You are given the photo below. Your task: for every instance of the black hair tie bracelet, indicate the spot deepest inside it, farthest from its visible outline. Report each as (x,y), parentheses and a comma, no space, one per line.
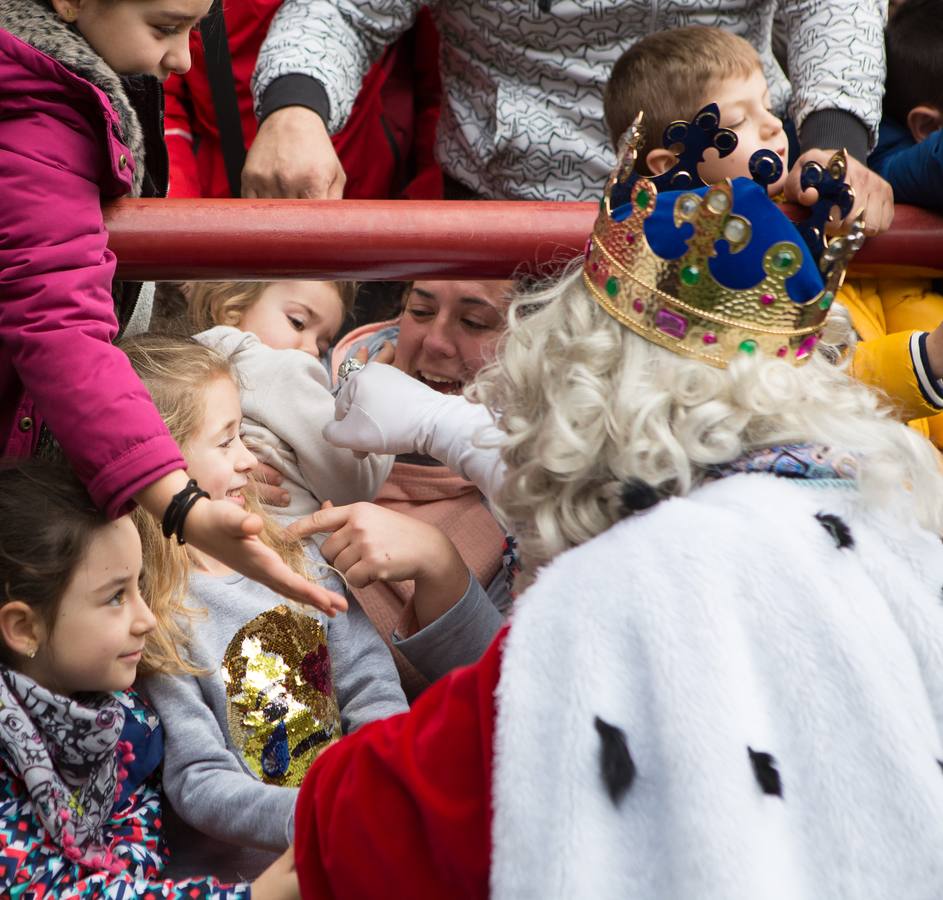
(178,508)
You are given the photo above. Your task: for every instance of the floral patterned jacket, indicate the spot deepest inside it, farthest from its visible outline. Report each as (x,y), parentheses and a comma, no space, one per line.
(33,868)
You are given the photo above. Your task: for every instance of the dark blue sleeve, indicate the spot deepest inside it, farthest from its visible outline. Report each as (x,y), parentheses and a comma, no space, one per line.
(916,173)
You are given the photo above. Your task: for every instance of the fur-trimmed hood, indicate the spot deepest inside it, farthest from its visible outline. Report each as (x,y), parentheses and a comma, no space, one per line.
(35,23)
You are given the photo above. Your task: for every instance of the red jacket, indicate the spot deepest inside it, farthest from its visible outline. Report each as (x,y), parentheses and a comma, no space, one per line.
(394,118)
(402,808)
(62,152)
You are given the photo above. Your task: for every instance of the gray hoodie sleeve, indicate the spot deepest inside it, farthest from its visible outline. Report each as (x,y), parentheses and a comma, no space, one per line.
(331,41)
(459,637)
(203,779)
(365,677)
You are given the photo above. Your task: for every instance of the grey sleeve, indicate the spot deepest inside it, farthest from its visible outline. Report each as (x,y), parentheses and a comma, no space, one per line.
(332,42)
(365,677)
(457,638)
(204,780)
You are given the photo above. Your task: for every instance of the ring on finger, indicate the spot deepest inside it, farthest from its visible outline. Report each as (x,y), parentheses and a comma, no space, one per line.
(348,367)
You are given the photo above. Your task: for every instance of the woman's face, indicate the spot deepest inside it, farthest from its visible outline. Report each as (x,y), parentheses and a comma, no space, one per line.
(448,330)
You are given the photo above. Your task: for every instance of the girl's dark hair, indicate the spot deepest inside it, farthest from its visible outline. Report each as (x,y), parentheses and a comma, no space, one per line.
(46,521)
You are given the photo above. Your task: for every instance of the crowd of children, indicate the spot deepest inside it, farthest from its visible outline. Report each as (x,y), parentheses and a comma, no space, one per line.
(208,581)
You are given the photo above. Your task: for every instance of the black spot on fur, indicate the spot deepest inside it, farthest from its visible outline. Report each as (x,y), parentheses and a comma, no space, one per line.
(940,764)
(618,769)
(839,531)
(637,495)
(767,775)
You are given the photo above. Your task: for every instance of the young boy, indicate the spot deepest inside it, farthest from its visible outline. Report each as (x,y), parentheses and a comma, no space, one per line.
(673,74)
(909,153)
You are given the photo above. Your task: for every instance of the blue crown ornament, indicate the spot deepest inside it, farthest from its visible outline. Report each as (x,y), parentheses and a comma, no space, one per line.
(714,271)
(689,141)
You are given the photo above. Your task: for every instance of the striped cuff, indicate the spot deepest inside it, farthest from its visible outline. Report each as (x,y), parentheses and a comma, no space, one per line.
(930,387)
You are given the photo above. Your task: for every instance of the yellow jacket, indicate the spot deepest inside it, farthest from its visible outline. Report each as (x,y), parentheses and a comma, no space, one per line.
(887,313)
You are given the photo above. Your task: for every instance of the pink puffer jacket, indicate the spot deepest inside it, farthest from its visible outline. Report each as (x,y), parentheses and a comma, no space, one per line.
(66,144)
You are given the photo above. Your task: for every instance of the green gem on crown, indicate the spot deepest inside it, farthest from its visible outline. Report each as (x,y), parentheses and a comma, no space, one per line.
(642,198)
(612,286)
(691,275)
(747,346)
(783,259)
(826,300)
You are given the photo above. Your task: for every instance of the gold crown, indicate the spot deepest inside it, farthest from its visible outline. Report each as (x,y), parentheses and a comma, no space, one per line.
(677,303)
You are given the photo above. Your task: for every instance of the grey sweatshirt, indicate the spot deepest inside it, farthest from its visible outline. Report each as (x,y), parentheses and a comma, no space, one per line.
(459,637)
(224,751)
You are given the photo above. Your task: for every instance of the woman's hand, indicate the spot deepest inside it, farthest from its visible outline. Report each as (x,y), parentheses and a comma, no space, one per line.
(279,881)
(369,543)
(229,534)
(224,531)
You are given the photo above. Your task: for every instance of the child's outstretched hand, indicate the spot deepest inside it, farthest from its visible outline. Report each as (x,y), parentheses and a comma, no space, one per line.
(229,534)
(225,532)
(369,543)
(279,881)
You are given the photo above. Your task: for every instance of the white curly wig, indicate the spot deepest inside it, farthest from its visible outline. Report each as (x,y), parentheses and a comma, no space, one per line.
(587,406)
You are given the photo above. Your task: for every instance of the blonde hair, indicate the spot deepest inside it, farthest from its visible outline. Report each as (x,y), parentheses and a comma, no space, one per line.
(665,75)
(177,371)
(587,406)
(226,302)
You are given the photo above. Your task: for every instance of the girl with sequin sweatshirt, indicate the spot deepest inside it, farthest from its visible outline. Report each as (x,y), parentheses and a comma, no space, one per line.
(80,751)
(274,683)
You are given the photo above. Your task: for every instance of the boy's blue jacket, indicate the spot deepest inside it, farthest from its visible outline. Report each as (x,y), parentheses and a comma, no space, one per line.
(914,170)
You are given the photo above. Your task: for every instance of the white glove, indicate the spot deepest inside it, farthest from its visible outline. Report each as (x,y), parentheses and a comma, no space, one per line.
(380,409)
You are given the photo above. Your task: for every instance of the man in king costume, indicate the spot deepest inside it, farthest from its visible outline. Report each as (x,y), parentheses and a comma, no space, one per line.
(723,678)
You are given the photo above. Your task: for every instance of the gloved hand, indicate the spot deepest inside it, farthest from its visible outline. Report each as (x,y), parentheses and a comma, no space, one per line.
(380,409)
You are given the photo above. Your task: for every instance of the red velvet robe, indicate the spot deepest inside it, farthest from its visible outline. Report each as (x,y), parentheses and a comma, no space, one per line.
(402,808)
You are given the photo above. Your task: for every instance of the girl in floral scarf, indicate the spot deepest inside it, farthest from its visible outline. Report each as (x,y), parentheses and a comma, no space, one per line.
(79,750)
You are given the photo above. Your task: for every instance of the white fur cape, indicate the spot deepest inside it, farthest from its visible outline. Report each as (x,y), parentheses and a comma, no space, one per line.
(728,620)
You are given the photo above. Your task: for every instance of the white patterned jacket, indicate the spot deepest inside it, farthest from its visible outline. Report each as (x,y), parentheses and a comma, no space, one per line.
(522,81)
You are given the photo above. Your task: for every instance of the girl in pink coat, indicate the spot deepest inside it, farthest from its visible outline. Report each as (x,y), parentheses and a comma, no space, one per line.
(82,124)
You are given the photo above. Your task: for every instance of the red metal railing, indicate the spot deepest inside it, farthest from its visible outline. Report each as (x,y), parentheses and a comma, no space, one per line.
(373,240)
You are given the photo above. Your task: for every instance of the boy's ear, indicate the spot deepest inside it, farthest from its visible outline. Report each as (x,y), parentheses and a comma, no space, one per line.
(21,628)
(922,121)
(660,160)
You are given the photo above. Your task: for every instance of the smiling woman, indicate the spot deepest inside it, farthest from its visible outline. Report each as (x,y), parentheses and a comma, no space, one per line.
(447,332)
